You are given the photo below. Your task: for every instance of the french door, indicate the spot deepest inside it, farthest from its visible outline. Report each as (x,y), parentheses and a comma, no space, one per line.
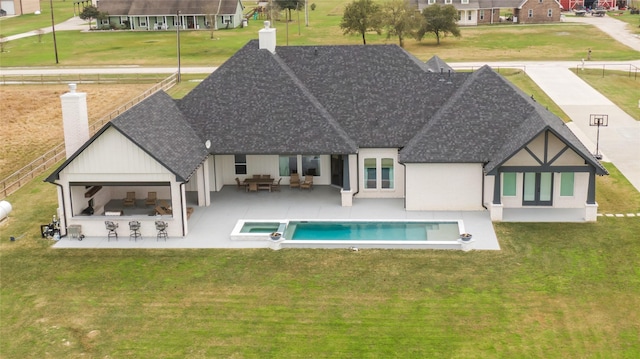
(538,189)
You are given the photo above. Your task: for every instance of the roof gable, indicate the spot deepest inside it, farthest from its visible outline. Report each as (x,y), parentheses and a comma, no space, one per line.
(158,127)
(254,104)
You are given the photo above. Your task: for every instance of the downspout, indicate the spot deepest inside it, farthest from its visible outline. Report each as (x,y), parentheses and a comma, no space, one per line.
(405,185)
(357,174)
(182,220)
(483,174)
(64,209)
(215,177)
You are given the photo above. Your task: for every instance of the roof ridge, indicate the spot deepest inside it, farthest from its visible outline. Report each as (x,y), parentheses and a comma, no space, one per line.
(437,117)
(314,101)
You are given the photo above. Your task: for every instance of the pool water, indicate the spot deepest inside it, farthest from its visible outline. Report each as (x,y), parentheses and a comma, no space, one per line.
(260,227)
(372,230)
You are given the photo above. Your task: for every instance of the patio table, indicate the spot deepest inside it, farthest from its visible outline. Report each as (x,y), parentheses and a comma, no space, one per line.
(262,183)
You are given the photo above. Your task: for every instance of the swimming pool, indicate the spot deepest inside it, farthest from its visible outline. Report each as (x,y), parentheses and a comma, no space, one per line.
(372,231)
(418,234)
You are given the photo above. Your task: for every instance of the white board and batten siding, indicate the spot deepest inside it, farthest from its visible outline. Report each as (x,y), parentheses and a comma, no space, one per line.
(444,186)
(114,158)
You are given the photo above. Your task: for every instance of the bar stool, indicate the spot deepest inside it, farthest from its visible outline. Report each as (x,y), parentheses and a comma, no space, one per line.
(134,230)
(161,226)
(111,227)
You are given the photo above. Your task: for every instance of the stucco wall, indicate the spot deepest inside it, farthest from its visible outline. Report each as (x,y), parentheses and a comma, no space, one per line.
(444,186)
(265,165)
(398,170)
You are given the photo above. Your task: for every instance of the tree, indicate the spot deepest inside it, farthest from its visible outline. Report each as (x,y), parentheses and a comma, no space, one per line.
(400,19)
(89,13)
(360,17)
(439,20)
(290,5)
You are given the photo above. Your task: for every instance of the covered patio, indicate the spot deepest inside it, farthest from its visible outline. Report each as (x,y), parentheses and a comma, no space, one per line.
(210,227)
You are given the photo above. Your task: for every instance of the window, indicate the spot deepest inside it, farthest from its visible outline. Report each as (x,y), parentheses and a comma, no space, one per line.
(481,14)
(241,164)
(448,1)
(386,172)
(530,14)
(509,184)
(566,183)
(431,2)
(550,13)
(104,22)
(288,165)
(459,15)
(143,22)
(469,15)
(311,165)
(464,1)
(370,173)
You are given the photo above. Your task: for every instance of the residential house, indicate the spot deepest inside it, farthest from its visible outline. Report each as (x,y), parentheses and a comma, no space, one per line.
(19,7)
(372,120)
(483,12)
(163,14)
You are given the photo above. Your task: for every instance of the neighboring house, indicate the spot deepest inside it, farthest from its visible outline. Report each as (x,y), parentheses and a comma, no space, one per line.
(482,12)
(372,120)
(19,7)
(162,14)
(592,4)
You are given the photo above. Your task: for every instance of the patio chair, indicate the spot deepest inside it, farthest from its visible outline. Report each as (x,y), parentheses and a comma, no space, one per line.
(294,181)
(111,227)
(265,176)
(276,186)
(134,230)
(130,200)
(253,187)
(308,182)
(151,199)
(161,227)
(240,185)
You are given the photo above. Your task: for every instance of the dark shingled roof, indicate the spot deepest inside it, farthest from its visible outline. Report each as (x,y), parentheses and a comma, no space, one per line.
(379,94)
(487,121)
(168,7)
(254,104)
(336,99)
(435,64)
(158,127)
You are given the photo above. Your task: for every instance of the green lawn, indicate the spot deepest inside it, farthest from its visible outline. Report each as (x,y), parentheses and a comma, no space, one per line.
(62,11)
(622,88)
(563,41)
(554,290)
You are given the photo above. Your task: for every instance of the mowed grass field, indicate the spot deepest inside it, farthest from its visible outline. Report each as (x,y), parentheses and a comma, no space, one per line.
(553,290)
(562,41)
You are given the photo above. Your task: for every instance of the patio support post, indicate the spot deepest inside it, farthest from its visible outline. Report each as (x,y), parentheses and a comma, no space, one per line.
(346,181)
(496,188)
(591,191)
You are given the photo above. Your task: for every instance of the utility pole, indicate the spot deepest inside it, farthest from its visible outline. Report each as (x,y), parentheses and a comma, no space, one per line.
(178,24)
(53,30)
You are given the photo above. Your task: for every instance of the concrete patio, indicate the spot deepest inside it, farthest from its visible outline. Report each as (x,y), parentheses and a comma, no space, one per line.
(210,227)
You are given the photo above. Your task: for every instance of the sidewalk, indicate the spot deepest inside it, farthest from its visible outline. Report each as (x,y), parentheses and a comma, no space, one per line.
(75,23)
